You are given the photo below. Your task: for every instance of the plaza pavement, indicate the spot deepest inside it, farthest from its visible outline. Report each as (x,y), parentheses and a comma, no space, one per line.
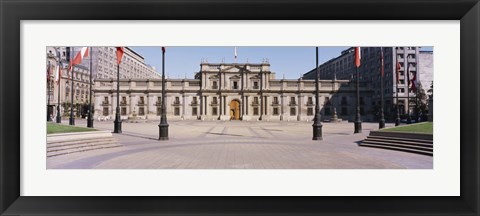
(239,145)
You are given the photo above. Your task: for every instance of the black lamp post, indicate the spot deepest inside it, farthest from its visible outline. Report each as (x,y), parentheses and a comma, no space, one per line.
(381,124)
(409,118)
(72,118)
(163,126)
(317,123)
(90,120)
(397,120)
(117,124)
(358,121)
(59,117)
(48,87)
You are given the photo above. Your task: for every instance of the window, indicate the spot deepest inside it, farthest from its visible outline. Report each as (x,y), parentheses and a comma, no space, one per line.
(214,85)
(194,100)
(275,111)
(255,85)
(177,100)
(194,111)
(361,101)
(310,111)
(255,100)
(214,111)
(142,100)
(124,111)
(105,111)
(105,100)
(214,100)
(293,111)
(141,111)
(176,111)
(159,111)
(124,100)
(362,111)
(344,111)
(275,100)
(235,85)
(255,111)
(344,101)
(292,100)
(159,100)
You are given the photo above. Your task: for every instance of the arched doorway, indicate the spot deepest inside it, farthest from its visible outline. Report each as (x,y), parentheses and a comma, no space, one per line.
(234,110)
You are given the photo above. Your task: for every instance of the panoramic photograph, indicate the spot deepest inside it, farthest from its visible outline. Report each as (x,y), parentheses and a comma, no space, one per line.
(239,107)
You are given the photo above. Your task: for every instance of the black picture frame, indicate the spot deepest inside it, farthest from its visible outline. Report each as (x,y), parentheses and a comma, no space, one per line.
(13,11)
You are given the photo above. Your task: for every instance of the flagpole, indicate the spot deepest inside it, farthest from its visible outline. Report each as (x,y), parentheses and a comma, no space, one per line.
(48,87)
(90,120)
(381,124)
(163,126)
(409,118)
(59,117)
(358,122)
(317,123)
(397,120)
(117,124)
(72,118)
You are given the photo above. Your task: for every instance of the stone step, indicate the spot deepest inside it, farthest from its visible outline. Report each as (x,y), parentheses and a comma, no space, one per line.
(402,139)
(83,149)
(399,141)
(80,141)
(429,153)
(80,145)
(401,145)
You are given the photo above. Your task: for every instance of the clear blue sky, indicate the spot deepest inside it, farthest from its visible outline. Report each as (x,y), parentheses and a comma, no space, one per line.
(185,61)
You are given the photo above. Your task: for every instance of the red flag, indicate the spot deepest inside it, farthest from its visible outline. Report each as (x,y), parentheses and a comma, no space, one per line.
(357,56)
(398,70)
(163,49)
(80,55)
(414,81)
(119,54)
(381,60)
(58,75)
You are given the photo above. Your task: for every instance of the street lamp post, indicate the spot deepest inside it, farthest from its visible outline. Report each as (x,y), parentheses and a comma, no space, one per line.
(397,120)
(163,126)
(90,120)
(59,117)
(117,124)
(317,123)
(72,118)
(358,121)
(381,124)
(48,87)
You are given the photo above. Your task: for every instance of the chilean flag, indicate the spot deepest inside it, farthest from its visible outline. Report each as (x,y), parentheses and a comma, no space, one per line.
(58,73)
(119,55)
(414,82)
(80,55)
(358,56)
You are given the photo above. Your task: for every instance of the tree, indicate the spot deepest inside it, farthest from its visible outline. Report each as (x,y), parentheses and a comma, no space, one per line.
(421,101)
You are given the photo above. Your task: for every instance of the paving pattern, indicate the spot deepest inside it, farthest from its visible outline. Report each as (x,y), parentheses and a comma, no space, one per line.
(240,145)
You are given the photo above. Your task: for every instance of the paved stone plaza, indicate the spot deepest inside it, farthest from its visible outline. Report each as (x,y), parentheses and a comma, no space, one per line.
(197,144)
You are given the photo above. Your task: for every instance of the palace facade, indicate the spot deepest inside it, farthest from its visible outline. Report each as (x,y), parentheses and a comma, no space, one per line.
(248,92)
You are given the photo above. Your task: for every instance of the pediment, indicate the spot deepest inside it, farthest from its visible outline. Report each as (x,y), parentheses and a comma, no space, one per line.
(235,77)
(213,77)
(232,69)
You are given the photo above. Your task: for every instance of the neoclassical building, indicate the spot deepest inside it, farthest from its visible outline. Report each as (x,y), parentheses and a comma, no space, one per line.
(246,91)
